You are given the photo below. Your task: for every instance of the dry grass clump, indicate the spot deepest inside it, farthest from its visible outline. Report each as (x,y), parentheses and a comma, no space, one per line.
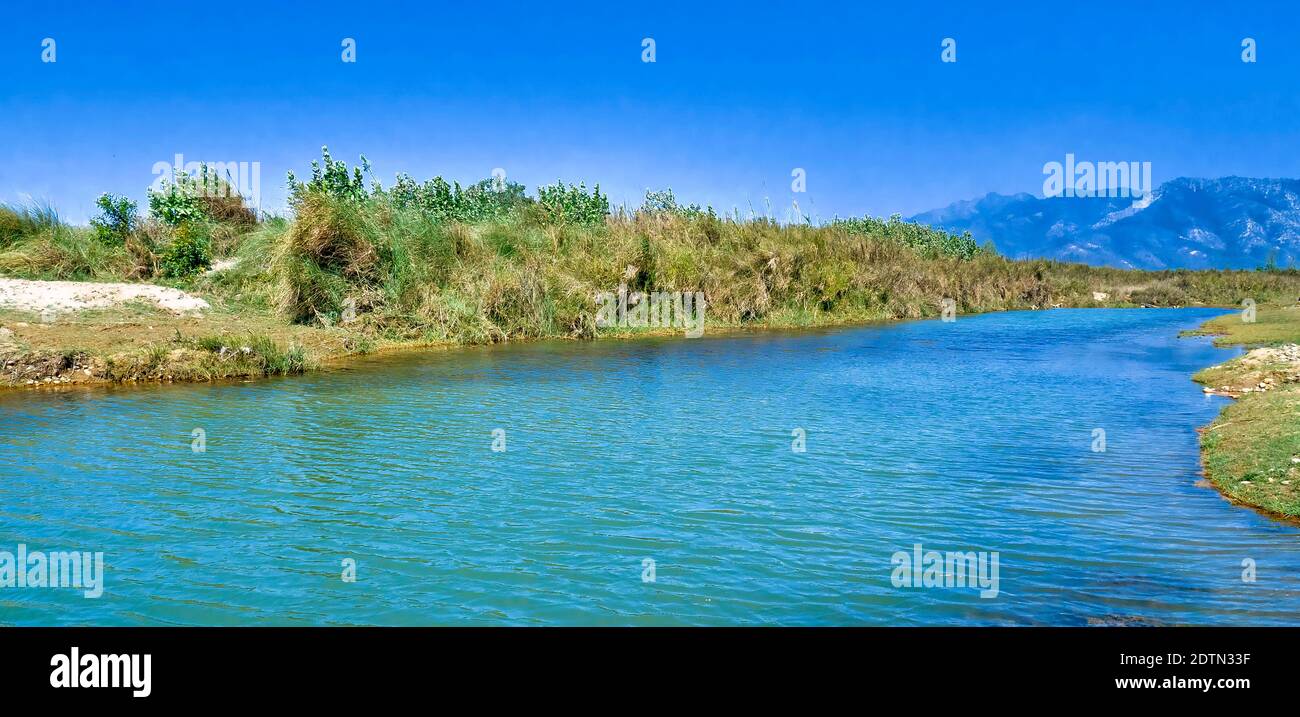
(228,208)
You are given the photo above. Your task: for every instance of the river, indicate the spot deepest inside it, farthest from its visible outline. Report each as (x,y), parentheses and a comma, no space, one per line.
(659,482)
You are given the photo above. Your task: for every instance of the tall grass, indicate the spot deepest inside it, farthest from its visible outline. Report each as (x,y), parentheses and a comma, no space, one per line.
(411,276)
(17,222)
(36,244)
(434,262)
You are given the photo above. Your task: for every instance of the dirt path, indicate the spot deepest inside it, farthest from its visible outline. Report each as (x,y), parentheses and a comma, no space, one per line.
(57,297)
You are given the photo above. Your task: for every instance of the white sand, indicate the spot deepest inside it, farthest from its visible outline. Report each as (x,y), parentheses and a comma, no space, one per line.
(67,296)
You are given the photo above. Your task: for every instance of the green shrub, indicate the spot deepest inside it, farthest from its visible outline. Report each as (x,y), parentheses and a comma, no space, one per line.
(924,240)
(435,197)
(332,178)
(441,201)
(190,251)
(177,203)
(572,204)
(491,199)
(116,221)
(659,201)
(663,202)
(203,197)
(484,201)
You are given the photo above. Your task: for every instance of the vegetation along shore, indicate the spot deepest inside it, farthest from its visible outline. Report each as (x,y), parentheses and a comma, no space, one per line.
(361,267)
(1251,453)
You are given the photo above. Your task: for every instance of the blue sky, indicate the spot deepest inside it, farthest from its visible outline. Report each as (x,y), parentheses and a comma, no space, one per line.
(854,93)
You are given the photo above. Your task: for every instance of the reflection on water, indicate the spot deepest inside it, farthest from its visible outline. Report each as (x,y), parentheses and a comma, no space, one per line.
(975,435)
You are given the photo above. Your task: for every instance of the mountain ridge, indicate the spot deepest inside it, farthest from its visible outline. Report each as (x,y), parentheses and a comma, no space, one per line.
(1229,222)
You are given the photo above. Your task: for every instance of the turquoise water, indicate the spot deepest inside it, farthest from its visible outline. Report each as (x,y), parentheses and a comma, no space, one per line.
(975,435)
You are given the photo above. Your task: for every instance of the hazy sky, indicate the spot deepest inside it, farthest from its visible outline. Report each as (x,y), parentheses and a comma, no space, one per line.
(740,95)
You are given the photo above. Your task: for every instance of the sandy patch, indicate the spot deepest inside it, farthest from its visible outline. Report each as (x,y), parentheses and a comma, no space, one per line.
(57,297)
(221,265)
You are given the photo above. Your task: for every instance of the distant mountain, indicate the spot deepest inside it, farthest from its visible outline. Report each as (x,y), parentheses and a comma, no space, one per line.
(1227,223)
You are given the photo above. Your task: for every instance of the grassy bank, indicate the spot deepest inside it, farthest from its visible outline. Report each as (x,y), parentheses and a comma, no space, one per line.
(139,342)
(1252,450)
(361,267)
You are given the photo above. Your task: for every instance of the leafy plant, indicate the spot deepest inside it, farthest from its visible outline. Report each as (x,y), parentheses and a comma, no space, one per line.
(659,201)
(572,204)
(116,221)
(331,177)
(491,199)
(486,200)
(177,202)
(200,198)
(924,240)
(663,202)
(190,251)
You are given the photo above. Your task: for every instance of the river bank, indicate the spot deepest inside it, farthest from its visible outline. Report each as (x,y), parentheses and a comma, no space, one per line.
(1251,452)
(135,340)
